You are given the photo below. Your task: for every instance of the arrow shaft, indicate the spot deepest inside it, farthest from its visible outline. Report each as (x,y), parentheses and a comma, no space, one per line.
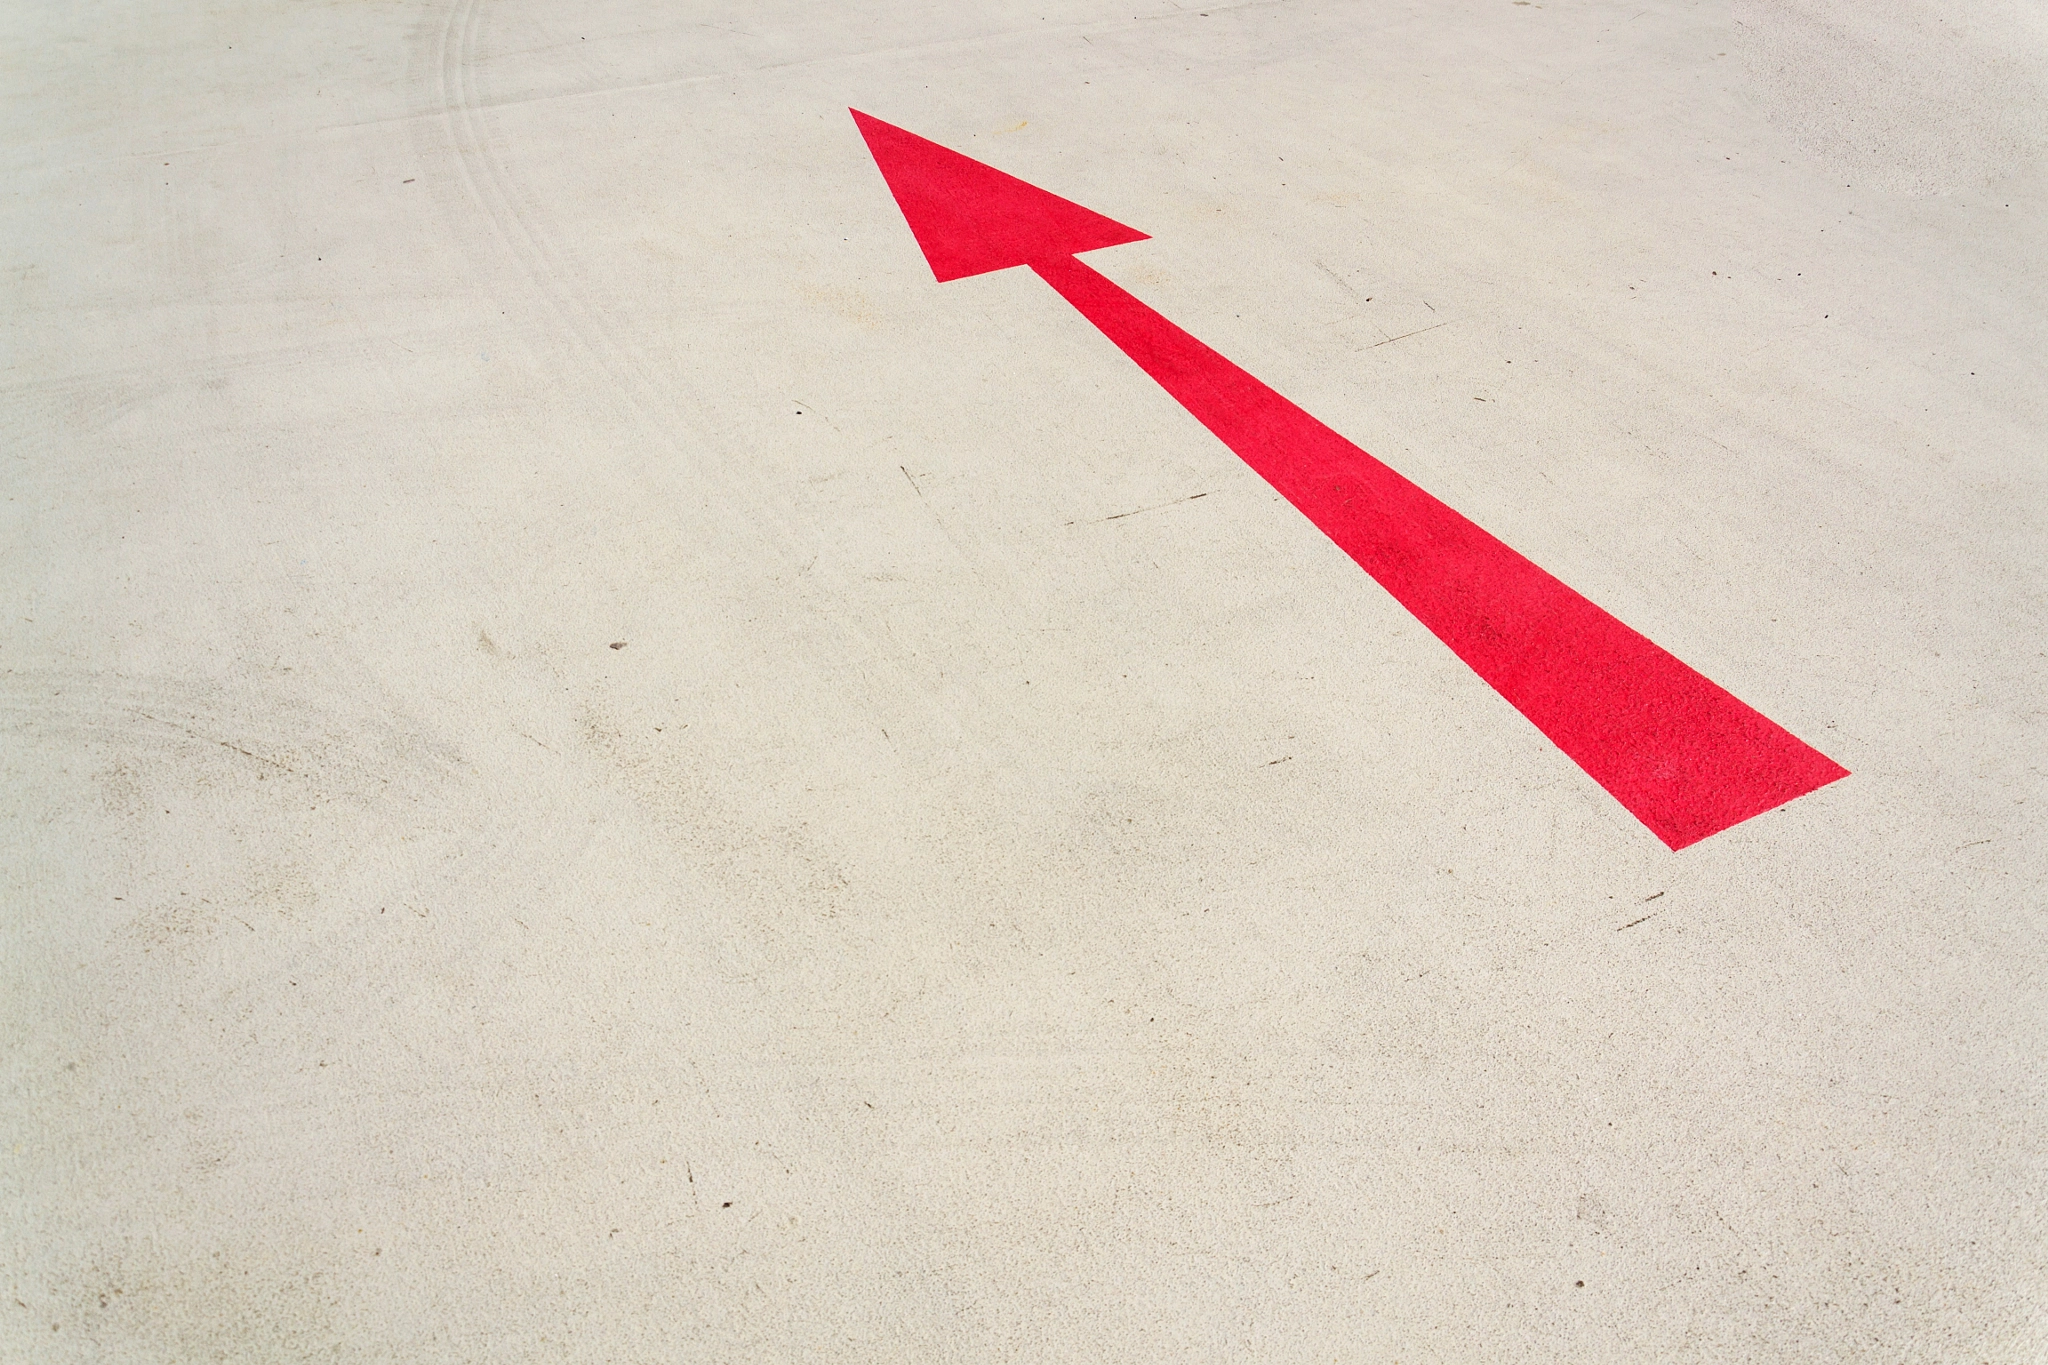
(1684,755)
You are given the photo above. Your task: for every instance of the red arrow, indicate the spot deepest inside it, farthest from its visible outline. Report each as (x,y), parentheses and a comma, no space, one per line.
(1685,756)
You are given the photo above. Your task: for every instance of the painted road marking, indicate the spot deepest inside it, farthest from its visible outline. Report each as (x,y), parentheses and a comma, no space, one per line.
(1682,754)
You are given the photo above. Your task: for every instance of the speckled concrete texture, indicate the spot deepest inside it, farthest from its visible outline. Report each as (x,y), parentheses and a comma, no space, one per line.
(594,768)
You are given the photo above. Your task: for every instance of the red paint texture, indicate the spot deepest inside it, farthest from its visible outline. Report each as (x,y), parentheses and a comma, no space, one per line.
(1682,754)
(970,218)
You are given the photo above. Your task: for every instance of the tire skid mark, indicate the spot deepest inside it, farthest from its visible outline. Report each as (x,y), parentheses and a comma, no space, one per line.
(172,720)
(654,404)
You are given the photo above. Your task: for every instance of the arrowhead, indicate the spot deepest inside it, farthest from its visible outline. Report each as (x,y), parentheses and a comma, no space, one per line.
(970,218)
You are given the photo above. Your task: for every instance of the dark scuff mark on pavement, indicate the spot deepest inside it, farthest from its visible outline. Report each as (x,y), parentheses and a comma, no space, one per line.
(1137,510)
(225,744)
(1405,335)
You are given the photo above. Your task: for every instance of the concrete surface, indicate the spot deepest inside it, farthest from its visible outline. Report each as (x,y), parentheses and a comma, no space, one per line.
(964,921)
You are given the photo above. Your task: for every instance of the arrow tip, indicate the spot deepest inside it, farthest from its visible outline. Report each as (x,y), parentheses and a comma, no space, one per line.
(969,218)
